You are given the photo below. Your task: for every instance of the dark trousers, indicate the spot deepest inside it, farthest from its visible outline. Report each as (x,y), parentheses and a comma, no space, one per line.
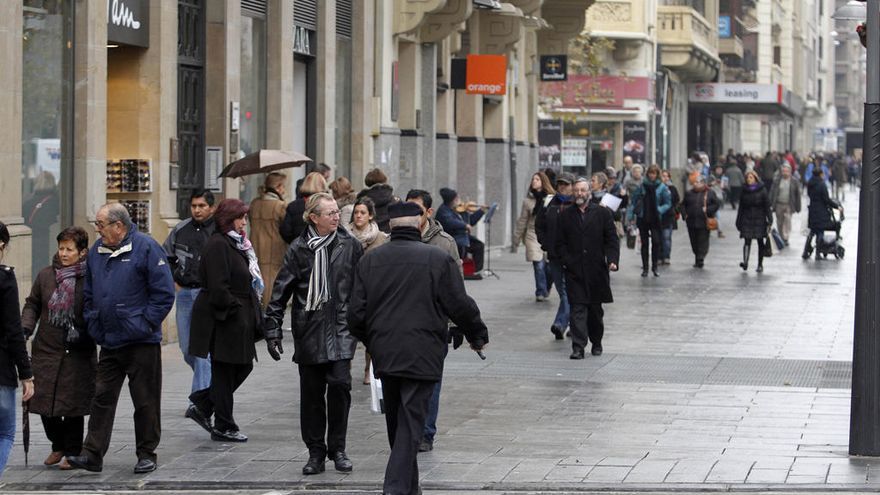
(699,242)
(406,404)
(651,232)
(586,322)
(65,433)
(735,194)
(325,398)
(142,364)
(217,399)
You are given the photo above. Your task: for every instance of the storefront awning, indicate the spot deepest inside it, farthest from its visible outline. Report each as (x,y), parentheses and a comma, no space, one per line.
(751,98)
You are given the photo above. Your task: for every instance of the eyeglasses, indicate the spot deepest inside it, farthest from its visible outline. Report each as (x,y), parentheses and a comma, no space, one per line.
(101,226)
(332,213)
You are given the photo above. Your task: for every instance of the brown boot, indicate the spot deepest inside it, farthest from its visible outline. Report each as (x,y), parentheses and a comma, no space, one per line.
(54,458)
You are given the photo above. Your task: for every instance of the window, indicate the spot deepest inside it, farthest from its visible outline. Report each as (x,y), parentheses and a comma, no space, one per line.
(777,55)
(252,106)
(47,123)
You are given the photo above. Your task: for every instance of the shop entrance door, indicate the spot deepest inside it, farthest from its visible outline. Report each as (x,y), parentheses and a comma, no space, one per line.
(190,100)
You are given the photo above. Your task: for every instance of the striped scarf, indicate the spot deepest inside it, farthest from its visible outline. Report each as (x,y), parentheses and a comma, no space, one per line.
(61,303)
(242,243)
(319,289)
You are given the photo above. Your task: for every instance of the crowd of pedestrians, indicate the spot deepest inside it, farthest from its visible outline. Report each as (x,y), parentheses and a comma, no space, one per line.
(353,267)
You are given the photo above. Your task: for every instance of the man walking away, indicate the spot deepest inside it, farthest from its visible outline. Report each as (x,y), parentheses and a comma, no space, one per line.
(184,250)
(589,248)
(128,291)
(404,292)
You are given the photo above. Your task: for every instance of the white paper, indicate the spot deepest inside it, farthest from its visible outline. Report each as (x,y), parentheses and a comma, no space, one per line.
(611,201)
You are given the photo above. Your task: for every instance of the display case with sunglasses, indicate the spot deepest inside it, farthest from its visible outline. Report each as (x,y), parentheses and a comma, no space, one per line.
(130,182)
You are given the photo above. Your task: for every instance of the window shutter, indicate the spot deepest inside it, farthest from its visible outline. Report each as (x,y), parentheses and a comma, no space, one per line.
(343,18)
(305,14)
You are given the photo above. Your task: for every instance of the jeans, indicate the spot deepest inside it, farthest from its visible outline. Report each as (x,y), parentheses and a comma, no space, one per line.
(201,367)
(562,314)
(7,424)
(540,278)
(666,234)
(433,411)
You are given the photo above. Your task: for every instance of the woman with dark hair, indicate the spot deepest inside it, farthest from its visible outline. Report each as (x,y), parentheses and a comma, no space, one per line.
(382,195)
(227,320)
(753,219)
(669,222)
(539,194)
(63,354)
(700,204)
(648,203)
(14,362)
(364,228)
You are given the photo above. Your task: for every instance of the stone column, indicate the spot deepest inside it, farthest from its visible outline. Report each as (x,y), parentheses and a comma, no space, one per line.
(279,80)
(90,114)
(10,144)
(222,83)
(363,113)
(326,88)
(428,127)
(411,136)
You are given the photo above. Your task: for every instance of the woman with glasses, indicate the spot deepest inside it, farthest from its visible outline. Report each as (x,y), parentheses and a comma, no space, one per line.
(64,355)
(226,320)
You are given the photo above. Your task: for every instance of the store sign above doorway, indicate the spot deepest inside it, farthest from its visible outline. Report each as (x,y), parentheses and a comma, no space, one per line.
(554,67)
(585,92)
(128,22)
(736,93)
(486,75)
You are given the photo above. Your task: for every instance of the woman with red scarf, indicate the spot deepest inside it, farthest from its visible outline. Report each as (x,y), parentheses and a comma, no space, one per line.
(64,358)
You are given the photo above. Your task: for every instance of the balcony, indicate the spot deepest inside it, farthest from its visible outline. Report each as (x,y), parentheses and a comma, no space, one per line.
(689,43)
(731,47)
(622,21)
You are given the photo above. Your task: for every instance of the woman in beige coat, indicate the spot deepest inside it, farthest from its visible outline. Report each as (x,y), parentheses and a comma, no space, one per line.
(540,191)
(266,214)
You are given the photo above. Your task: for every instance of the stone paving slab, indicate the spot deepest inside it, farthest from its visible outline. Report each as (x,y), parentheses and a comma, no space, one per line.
(712,380)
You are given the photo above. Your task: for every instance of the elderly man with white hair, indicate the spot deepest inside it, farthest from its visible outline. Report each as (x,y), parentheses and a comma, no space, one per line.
(785,200)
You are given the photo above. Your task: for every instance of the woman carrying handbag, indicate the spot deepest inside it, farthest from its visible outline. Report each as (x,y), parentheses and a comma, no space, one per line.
(698,210)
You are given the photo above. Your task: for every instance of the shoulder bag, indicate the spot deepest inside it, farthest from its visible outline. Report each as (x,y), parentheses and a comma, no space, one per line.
(711,222)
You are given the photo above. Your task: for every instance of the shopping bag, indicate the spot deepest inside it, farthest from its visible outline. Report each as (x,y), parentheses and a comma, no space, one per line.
(780,242)
(377,402)
(767,247)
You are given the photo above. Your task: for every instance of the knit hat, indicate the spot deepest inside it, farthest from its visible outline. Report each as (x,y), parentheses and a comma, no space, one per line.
(448,195)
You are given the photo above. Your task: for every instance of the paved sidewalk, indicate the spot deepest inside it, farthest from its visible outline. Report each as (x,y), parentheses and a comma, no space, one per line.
(711,380)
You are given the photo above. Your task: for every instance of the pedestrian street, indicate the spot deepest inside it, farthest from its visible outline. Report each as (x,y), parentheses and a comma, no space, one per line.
(712,379)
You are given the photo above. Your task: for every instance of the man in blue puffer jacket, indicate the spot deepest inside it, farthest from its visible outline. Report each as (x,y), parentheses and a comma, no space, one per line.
(128,292)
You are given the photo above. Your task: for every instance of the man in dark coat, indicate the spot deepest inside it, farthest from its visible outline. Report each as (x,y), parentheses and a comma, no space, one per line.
(318,272)
(404,292)
(589,248)
(128,292)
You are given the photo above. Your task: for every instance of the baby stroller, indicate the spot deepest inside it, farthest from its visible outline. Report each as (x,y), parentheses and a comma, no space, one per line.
(828,242)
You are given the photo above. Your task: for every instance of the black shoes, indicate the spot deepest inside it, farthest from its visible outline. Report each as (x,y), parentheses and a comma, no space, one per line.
(759,269)
(228,436)
(743,265)
(654,271)
(596,350)
(341,462)
(195,414)
(558,332)
(144,466)
(426,445)
(314,466)
(577,354)
(645,272)
(83,462)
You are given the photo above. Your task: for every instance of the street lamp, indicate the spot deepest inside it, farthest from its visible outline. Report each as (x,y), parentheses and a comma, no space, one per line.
(864,421)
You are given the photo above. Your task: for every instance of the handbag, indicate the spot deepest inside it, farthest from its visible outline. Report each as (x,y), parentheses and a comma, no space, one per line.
(76,337)
(377,401)
(767,247)
(711,222)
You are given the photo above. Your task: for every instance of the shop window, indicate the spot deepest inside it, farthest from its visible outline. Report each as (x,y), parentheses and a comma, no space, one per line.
(47,117)
(252,107)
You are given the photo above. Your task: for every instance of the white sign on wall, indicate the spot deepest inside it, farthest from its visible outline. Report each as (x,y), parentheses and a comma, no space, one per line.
(735,93)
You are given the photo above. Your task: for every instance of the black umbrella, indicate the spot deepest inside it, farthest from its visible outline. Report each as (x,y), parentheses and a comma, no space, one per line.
(26,429)
(264,161)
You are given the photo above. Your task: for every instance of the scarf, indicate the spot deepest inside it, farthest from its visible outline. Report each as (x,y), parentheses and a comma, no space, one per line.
(366,236)
(243,244)
(319,291)
(61,311)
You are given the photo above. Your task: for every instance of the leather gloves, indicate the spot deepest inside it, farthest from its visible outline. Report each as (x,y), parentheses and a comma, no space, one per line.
(275,349)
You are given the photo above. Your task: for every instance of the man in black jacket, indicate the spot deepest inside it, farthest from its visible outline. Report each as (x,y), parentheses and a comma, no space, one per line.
(184,249)
(547,228)
(318,272)
(589,248)
(404,292)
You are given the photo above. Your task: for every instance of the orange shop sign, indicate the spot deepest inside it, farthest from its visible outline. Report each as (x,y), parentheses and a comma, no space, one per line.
(486,75)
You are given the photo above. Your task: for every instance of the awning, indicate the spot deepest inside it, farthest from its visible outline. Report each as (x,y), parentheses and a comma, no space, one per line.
(751,98)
